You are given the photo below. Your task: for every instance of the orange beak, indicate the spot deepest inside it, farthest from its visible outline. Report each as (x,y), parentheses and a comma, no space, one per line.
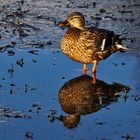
(63,24)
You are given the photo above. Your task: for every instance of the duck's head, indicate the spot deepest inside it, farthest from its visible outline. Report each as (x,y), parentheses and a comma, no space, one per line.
(75,19)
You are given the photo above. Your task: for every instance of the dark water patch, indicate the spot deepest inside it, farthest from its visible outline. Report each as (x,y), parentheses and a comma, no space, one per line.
(29,135)
(127,137)
(20,62)
(8,113)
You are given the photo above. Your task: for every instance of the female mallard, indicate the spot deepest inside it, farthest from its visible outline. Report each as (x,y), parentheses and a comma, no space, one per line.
(88,44)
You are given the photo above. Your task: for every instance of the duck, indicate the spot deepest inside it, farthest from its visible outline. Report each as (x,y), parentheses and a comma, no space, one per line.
(88,45)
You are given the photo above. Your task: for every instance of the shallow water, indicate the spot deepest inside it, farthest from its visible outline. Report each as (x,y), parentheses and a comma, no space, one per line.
(33,70)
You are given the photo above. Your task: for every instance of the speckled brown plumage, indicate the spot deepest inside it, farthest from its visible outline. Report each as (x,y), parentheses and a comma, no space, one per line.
(80,96)
(85,45)
(88,44)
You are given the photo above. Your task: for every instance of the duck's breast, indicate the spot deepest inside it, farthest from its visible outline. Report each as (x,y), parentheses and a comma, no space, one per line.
(69,39)
(76,50)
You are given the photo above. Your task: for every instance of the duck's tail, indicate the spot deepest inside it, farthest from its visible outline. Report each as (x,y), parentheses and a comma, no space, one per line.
(121,47)
(118,45)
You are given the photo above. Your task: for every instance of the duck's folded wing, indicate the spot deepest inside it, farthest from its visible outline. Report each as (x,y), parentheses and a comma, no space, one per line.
(96,39)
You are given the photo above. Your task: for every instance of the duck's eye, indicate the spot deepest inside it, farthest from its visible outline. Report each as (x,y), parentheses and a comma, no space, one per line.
(75,18)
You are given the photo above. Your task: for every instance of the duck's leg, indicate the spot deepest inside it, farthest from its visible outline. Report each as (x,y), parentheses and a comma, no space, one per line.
(94,78)
(94,71)
(85,69)
(94,66)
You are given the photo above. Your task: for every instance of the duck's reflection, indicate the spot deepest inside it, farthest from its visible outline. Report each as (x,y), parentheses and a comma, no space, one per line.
(80,96)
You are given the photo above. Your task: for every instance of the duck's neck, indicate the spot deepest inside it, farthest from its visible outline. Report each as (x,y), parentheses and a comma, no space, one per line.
(80,25)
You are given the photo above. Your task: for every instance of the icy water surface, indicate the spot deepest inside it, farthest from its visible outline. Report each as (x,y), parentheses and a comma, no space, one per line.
(42,90)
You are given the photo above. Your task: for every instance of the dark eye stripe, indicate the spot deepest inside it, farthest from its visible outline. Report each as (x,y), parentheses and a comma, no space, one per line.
(75,17)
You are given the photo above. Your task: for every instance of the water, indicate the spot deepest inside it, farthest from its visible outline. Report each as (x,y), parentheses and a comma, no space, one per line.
(32,87)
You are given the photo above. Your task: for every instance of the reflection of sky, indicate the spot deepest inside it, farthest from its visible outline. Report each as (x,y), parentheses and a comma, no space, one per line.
(51,70)
(137,73)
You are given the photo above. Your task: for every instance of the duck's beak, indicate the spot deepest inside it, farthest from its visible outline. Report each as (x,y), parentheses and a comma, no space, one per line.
(63,24)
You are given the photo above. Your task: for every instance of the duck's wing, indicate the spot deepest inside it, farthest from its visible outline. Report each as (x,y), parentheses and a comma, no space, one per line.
(96,39)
